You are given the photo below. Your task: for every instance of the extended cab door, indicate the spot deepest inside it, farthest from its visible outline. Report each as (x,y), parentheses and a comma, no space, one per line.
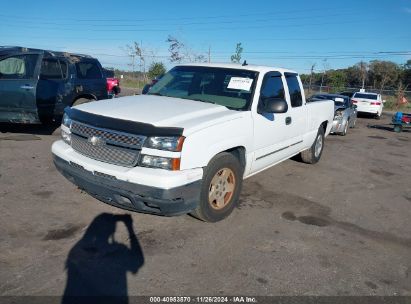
(18,84)
(297,113)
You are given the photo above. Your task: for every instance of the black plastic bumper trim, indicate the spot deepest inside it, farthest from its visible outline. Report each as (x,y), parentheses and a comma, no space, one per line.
(130,196)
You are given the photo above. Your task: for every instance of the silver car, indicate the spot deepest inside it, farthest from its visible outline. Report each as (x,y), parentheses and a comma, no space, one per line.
(345,112)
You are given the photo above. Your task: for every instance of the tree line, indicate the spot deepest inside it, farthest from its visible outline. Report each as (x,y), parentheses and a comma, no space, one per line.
(377,75)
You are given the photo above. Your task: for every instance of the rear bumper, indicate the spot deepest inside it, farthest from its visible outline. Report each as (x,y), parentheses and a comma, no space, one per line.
(369,109)
(131,196)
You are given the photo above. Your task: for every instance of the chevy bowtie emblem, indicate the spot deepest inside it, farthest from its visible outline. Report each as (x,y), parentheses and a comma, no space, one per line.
(96,141)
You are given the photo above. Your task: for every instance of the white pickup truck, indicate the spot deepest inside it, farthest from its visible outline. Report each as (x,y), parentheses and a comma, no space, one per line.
(187,145)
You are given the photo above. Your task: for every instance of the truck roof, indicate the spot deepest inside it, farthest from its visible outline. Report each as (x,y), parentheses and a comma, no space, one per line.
(251,67)
(6,50)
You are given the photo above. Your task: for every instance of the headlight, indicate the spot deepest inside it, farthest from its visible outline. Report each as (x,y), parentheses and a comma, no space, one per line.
(66,121)
(65,129)
(66,135)
(160,162)
(338,115)
(168,143)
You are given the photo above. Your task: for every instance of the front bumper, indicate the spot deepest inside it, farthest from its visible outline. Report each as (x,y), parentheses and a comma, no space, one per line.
(132,196)
(338,126)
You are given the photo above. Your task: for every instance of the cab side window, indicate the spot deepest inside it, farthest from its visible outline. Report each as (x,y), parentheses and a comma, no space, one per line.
(294,88)
(273,86)
(18,67)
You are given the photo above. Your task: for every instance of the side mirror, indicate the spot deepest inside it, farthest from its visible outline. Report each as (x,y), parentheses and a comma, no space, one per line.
(384,101)
(272,105)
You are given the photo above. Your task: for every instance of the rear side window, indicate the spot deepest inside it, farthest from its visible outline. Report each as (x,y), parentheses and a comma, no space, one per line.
(51,69)
(294,88)
(273,87)
(18,67)
(88,70)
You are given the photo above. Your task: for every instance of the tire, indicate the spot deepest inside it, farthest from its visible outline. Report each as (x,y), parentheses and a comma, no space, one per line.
(353,123)
(378,116)
(344,132)
(310,156)
(222,171)
(116,90)
(398,129)
(81,101)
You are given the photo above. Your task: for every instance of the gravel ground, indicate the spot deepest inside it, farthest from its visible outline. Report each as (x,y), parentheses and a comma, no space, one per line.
(340,227)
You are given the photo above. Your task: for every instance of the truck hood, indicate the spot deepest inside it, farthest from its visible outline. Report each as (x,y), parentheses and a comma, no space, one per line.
(163,111)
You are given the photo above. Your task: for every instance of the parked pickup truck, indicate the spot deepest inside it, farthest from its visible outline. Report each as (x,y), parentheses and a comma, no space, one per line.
(187,146)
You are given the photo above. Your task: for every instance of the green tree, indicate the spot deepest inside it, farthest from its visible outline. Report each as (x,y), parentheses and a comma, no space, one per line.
(156,69)
(236,58)
(336,79)
(384,74)
(406,74)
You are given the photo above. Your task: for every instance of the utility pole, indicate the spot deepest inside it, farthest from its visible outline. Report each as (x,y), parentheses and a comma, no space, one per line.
(322,77)
(311,77)
(132,55)
(209,54)
(363,72)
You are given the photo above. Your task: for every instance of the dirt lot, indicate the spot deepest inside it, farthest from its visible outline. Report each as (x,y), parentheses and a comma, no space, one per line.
(341,227)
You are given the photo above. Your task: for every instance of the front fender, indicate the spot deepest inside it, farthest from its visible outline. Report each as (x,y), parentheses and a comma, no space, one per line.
(200,147)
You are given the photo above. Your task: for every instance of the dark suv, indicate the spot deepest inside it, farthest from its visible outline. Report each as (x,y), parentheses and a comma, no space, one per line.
(36,85)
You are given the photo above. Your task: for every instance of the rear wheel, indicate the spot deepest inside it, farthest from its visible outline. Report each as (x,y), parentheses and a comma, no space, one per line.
(354,121)
(398,129)
(313,155)
(221,187)
(378,116)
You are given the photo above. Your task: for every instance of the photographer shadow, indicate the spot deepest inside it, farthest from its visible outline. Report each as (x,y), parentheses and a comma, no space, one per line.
(97,265)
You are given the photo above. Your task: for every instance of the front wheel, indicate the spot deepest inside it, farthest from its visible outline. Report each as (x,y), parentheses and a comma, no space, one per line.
(313,154)
(344,132)
(221,187)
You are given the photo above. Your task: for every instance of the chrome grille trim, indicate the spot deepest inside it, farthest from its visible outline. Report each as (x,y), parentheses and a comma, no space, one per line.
(111,137)
(107,153)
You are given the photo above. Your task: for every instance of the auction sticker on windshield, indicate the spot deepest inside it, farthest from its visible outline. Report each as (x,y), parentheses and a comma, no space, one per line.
(240,83)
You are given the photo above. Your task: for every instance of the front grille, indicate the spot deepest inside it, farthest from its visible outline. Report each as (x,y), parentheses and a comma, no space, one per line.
(110,136)
(114,147)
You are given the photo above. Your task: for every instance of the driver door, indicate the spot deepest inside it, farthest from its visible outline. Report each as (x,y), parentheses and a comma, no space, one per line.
(270,130)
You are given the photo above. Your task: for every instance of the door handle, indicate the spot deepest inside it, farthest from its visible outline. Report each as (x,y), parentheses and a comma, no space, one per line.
(27,87)
(288,120)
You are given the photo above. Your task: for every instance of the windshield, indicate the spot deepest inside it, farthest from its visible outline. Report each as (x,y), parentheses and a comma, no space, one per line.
(232,88)
(366,96)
